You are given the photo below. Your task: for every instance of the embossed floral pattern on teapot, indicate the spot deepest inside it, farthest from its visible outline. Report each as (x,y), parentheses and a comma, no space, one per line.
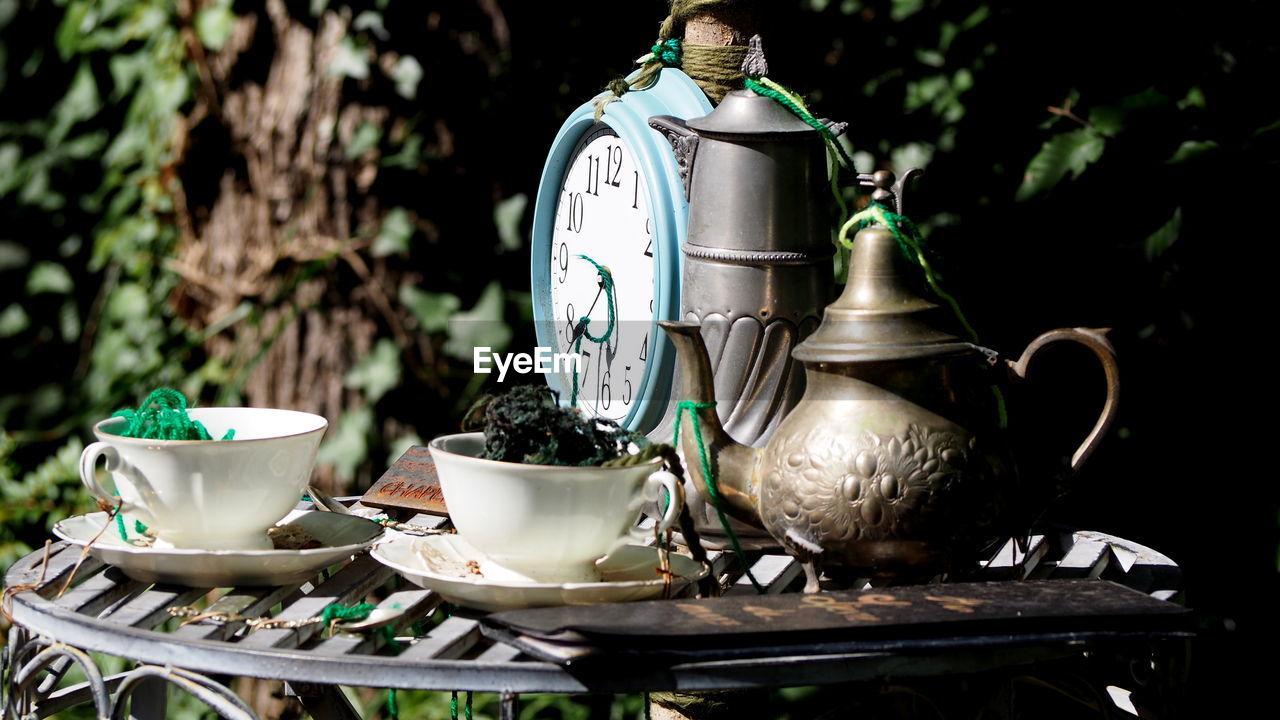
(893,462)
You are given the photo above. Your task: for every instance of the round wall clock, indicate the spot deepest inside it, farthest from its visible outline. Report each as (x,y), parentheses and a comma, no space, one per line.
(608,223)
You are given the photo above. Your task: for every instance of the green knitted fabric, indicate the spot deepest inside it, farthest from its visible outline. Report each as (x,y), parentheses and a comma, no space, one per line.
(163,416)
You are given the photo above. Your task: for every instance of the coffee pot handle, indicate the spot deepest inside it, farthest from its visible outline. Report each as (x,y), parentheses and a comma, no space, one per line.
(1095,340)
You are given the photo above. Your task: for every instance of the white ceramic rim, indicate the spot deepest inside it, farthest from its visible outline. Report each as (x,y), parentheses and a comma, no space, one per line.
(435,446)
(140,550)
(111,437)
(425,572)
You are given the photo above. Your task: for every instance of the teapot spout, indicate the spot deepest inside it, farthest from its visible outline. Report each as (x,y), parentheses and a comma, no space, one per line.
(732,463)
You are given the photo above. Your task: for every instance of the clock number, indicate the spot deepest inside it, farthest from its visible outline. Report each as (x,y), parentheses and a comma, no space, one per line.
(616,161)
(575,212)
(648,250)
(568,326)
(586,362)
(562,258)
(635,199)
(644,349)
(606,396)
(626,384)
(593,175)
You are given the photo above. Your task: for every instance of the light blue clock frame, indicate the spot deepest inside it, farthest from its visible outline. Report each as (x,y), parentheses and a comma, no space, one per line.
(673,94)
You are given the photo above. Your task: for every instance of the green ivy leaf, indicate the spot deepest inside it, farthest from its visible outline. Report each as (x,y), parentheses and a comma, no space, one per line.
(349,60)
(80,103)
(1161,240)
(13,321)
(214,25)
(507,215)
(49,277)
(407,73)
(393,236)
(1107,119)
(371,21)
(364,139)
(481,326)
(12,171)
(13,255)
(377,373)
(1069,152)
(400,446)
(1190,150)
(432,310)
(348,446)
(903,9)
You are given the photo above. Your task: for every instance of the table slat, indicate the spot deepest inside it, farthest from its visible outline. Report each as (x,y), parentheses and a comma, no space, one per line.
(346,586)
(152,607)
(251,602)
(449,639)
(99,592)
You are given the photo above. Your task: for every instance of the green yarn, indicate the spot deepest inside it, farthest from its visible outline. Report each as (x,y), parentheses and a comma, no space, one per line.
(708,475)
(667,52)
(911,242)
(453,706)
(163,416)
(788,99)
(584,322)
(393,708)
(355,612)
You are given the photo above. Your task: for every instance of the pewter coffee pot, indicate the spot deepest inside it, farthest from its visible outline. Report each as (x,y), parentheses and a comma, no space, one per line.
(757,262)
(892,463)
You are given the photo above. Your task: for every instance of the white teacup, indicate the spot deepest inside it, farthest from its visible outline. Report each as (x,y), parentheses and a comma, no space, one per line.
(212,494)
(547,523)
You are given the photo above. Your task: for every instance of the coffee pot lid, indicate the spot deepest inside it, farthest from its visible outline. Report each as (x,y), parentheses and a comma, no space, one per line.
(746,113)
(743,112)
(878,317)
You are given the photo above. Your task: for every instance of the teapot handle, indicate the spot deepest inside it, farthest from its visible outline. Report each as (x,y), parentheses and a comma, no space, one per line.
(1095,340)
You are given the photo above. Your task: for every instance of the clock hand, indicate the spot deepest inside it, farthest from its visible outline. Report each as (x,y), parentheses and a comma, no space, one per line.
(581,327)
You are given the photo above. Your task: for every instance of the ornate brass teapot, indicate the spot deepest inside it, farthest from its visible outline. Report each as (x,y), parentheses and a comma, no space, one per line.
(893,461)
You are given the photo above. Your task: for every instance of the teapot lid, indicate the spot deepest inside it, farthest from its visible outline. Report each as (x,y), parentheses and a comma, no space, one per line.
(878,317)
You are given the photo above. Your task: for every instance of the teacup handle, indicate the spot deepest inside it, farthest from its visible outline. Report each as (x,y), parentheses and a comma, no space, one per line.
(653,487)
(114,463)
(1096,341)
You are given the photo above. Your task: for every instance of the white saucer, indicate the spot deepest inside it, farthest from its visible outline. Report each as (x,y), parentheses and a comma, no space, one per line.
(341,536)
(444,563)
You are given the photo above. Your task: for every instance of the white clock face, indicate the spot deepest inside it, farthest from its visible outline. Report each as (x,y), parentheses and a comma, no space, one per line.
(603,214)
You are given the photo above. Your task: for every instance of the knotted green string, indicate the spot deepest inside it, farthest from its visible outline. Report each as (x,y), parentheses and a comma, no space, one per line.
(911,242)
(584,323)
(709,478)
(666,52)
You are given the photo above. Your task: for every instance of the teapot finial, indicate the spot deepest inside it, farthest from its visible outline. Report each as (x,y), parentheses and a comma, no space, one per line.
(754,65)
(888,190)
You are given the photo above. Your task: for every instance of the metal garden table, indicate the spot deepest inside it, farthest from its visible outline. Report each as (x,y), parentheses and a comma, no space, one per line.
(102,610)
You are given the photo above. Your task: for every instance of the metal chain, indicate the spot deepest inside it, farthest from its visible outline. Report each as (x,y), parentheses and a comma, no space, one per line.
(193,614)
